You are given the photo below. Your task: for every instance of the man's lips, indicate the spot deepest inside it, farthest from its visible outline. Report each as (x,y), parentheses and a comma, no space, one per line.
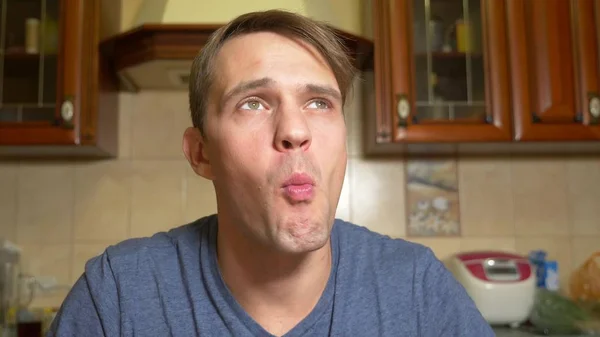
(299,179)
(299,187)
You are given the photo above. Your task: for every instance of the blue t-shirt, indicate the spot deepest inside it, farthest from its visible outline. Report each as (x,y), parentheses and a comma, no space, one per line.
(170,285)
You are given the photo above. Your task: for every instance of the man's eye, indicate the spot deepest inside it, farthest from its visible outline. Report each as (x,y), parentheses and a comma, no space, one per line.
(252,105)
(318,104)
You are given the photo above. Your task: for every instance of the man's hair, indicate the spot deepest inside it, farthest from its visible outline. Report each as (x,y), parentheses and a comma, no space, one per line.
(292,25)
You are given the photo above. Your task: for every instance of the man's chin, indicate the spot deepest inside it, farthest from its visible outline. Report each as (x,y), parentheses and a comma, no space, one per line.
(298,241)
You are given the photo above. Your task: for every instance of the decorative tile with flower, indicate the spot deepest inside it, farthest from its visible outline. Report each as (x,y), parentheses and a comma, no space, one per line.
(432,197)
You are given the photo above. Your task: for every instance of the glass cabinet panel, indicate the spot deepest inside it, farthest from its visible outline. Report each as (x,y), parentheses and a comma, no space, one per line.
(448,60)
(29,33)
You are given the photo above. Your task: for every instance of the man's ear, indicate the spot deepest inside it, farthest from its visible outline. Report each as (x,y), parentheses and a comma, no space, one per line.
(194,147)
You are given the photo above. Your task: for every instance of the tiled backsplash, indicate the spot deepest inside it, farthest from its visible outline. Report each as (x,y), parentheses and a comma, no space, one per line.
(63,213)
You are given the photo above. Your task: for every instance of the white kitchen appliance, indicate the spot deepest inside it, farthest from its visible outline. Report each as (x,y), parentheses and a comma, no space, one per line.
(501,284)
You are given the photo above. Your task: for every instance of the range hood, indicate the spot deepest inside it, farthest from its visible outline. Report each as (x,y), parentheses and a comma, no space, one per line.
(157,40)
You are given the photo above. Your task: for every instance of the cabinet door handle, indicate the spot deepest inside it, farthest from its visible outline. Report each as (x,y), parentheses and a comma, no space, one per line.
(594,107)
(67,111)
(402,109)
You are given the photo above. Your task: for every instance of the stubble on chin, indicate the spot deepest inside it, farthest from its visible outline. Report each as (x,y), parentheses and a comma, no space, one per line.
(303,235)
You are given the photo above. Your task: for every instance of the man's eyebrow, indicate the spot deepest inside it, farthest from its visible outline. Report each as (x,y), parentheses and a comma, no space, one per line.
(247,86)
(322,90)
(268,82)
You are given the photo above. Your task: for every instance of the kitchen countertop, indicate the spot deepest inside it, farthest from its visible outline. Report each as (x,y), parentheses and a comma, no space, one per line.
(507,332)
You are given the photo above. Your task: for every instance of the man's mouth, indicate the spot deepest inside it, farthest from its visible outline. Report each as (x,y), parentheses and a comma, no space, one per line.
(299,187)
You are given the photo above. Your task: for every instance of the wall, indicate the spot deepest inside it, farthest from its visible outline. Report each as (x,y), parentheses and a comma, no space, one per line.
(63,213)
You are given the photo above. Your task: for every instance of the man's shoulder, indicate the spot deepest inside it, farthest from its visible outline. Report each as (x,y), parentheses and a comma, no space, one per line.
(161,244)
(363,242)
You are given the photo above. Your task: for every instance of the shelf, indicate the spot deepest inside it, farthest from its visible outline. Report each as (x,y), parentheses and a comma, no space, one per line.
(27,113)
(21,64)
(450,55)
(451,64)
(455,111)
(451,103)
(20,54)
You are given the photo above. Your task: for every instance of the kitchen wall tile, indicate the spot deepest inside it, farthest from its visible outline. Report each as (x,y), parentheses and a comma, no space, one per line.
(157,196)
(582,248)
(507,244)
(48,261)
(159,120)
(102,201)
(52,299)
(126,107)
(343,209)
(45,203)
(201,200)
(443,248)
(8,200)
(583,181)
(377,195)
(540,197)
(82,253)
(558,249)
(486,201)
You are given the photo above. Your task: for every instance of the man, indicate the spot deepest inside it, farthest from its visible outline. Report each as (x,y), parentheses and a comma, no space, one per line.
(267,95)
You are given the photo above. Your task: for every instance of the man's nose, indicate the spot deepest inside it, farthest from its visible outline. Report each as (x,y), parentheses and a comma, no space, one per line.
(292,131)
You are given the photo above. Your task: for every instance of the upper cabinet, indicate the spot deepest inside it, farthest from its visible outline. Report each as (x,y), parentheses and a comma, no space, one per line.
(442,71)
(554,69)
(484,71)
(59,83)
(55,94)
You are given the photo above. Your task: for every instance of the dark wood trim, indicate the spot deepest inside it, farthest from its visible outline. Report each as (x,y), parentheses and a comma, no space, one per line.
(69,66)
(360,49)
(383,91)
(586,43)
(60,63)
(150,42)
(35,135)
(520,78)
(88,122)
(496,67)
(375,105)
(402,61)
(597,29)
(156,42)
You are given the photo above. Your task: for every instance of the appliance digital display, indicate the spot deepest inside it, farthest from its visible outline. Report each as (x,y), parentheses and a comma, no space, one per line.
(502,271)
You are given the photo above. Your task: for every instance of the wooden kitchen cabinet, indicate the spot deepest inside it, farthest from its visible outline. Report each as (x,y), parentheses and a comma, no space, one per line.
(56,98)
(441,71)
(554,69)
(493,76)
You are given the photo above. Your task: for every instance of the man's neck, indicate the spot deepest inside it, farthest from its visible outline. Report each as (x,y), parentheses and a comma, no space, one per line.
(277,290)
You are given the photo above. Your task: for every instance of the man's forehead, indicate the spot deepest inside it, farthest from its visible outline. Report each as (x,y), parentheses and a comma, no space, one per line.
(256,57)
(259,44)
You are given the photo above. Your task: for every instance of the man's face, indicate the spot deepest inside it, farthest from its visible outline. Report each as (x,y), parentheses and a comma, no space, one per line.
(275,139)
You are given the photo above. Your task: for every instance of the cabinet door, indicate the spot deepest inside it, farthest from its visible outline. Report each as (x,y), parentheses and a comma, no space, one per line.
(40,58)
(447,66)
(554,69)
